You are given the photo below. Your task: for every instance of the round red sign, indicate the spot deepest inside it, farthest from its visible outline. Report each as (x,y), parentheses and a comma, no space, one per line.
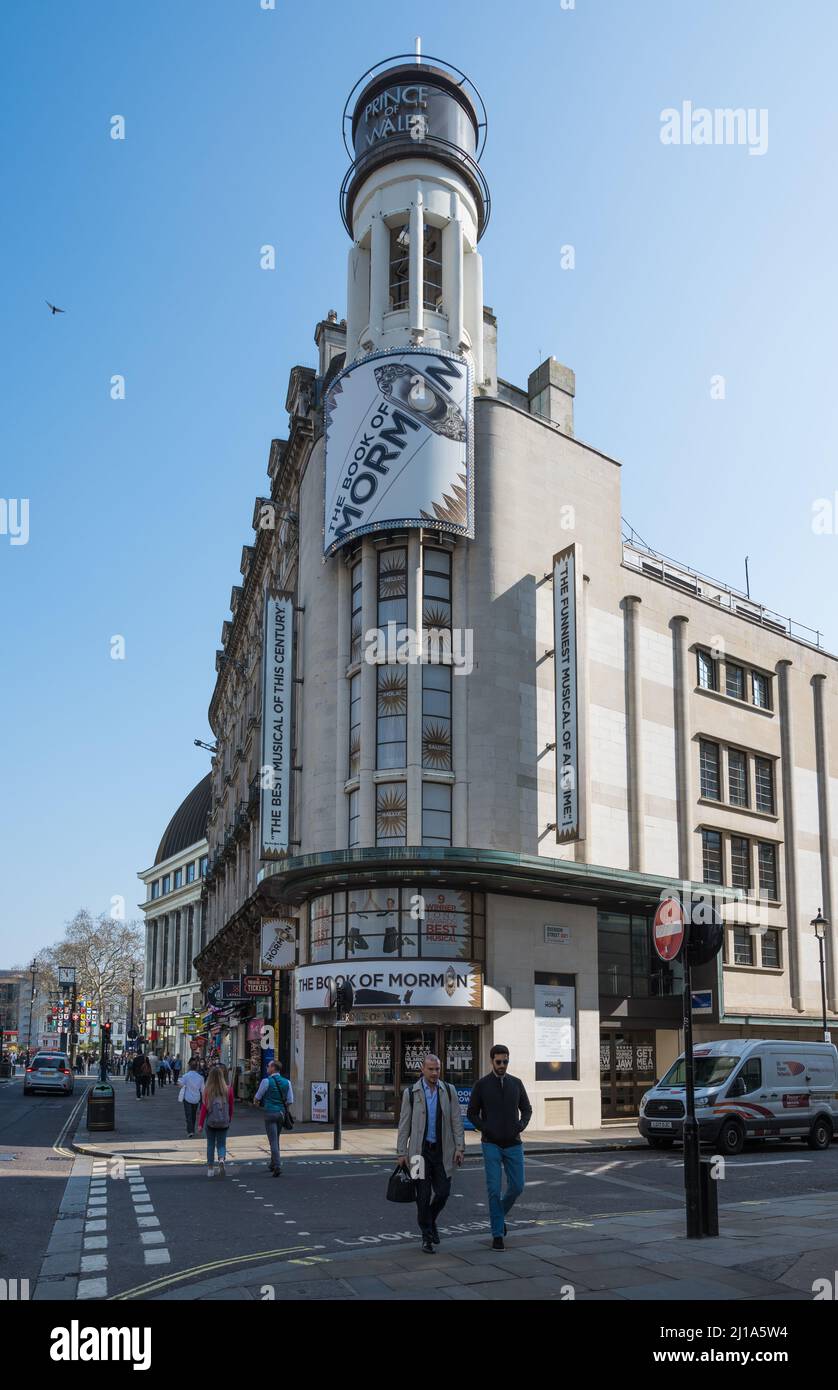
(668,930)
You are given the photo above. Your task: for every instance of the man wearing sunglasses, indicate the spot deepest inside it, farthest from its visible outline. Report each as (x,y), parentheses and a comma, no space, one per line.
(501,1110)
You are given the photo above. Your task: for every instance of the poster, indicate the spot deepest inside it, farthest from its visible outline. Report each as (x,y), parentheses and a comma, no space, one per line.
(555,1027)
(320,1102)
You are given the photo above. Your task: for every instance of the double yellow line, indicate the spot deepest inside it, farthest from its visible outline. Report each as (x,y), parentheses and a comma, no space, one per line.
(156,1285)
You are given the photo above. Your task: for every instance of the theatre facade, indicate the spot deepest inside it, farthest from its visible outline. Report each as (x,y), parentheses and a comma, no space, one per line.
(470,731)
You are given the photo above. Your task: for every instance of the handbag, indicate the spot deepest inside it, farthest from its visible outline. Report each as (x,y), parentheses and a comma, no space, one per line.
(400,1186)
(287,1118)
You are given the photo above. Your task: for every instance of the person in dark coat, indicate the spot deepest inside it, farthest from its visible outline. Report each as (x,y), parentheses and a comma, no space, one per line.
(500,1108)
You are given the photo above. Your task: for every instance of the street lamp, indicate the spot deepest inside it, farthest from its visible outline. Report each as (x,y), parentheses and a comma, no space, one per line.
(820,925)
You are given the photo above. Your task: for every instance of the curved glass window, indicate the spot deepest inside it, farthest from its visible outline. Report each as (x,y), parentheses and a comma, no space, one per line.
(409,922)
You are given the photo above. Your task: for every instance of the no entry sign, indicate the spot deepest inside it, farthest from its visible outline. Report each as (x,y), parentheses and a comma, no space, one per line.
(668,930)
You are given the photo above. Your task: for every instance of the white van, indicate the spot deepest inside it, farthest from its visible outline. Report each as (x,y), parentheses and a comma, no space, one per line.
(748,1088)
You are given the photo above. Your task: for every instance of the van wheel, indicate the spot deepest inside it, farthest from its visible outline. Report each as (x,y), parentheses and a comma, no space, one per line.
(820,1135)
(659,1143)
(731,1138)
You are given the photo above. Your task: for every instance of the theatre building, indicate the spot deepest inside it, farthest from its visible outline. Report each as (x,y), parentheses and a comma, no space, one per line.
(469,730)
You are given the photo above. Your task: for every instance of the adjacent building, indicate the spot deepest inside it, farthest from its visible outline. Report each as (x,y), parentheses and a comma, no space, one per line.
(470,730)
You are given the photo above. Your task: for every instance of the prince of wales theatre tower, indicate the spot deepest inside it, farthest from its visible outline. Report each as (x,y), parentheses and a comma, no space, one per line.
(470,732)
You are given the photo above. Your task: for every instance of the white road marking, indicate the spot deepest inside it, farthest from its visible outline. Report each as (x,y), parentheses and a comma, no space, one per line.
(157,1257)
(95,1242)
(91,1263)
(148,1221)
(152,1237)
(92,1288)
(92,1226)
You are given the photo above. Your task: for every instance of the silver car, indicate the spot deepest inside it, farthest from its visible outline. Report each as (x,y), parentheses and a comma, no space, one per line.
(48,1071)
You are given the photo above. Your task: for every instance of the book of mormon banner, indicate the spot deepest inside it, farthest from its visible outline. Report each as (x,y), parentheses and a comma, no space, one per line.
(399,443)
(277,697)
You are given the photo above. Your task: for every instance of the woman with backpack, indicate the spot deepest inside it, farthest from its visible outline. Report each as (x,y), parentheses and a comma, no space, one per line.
(275,1095)
(217,1111)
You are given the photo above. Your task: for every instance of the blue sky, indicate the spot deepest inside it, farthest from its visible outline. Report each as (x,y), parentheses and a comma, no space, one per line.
(691,262)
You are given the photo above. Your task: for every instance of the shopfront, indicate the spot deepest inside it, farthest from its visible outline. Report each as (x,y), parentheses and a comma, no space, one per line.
(377,1063)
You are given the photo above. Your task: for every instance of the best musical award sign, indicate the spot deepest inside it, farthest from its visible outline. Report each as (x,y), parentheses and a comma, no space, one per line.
(399,444)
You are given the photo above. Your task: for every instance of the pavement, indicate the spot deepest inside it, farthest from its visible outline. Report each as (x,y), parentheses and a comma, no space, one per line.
(150,1132)
(772,1247)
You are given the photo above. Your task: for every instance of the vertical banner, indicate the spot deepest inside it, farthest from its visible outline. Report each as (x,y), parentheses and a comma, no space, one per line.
(277,697)
(566,579)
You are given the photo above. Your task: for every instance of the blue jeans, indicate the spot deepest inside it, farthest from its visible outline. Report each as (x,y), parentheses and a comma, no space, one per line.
(511,1162)
(216,1137)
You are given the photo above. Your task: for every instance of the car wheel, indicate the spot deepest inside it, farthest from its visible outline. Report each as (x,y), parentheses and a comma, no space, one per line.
(731,1139)
(27,1091)
(658,1143)
(820,1135)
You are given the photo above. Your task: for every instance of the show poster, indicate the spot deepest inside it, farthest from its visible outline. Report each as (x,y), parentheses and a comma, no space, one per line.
(555,1027)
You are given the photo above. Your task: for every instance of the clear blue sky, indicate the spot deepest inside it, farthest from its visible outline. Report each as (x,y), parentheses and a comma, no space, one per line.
(690,262)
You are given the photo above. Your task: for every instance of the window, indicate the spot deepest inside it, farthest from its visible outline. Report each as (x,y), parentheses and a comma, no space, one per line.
(353,820)
(391,716)
(751,1076)
(767,855)
(436,717)
(708,677)
(743,946)
(392,586)
(436,813)
(164,978)
(761,686)
(178,878)
(711,842)
(432,267)
(153,974)
(155,888)
(190,939)
(737,777)
(419,920)
(764,779)
(627,967)
(203,912)
(391,813)
(709,760)
(167,884)
(355,725)
(735,681)
(740,862)
(400,267)
(176,951)
(436,589)
(355,633)
(190,872)
(771,950)
(204,861)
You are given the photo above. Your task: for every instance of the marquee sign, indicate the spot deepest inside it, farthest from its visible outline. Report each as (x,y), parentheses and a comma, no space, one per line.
(399,445)
(277,697)
(430,983)
(568,713)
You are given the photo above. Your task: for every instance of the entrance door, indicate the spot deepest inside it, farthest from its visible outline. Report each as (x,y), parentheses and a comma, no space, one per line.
(627,1069)
(350,1048)
(380,1076)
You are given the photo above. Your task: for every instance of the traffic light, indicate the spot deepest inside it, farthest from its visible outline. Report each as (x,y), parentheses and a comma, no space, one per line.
(341,996)
(106,1031)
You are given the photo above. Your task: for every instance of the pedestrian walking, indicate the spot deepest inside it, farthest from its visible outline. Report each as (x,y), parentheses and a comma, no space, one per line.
(275,1094)
(431,1142)
(191,1093)
(154,1063)
(500,1108)
(176,1065)
(165,1073)
(217,1111)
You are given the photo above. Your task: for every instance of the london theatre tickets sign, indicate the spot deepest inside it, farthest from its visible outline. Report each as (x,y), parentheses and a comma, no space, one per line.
(566,578)
(399,444)
(277,697)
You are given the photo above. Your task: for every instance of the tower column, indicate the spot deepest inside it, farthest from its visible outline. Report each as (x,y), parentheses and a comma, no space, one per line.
(379,274)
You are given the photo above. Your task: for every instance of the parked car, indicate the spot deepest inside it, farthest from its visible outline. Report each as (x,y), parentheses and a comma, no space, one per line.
(48,1071)
(748,1088)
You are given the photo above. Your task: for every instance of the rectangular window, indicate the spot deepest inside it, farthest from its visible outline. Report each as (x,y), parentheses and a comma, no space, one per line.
(154,935)
(391,716)
(708,677)
(178,878)
(155,888)
(190,872)
(399,267)
(355,633)
(711,842)
(391,813)
(167,884)
(355,725)
(190,941)
(353,819)
(709,760)
(392,586)
(743,946)
(204,861)
(764,780)
(734,681)
(740,862)
(436,717)
(737,777)
(203,912)
(761,686)
(436,813)
(164,978)
(436,589)
(768,870)
(432,268)
(771,950)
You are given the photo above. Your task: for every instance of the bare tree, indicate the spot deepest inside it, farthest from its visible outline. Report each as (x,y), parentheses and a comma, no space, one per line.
(106,954)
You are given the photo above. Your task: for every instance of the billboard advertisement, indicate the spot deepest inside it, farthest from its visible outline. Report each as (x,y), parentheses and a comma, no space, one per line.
(399,445)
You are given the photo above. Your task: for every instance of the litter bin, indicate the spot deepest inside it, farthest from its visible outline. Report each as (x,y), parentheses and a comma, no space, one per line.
(100,1106)
(709,1198)
(5,1067)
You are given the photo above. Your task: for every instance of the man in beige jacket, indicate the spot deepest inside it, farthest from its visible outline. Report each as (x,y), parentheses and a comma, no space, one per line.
(431,1142)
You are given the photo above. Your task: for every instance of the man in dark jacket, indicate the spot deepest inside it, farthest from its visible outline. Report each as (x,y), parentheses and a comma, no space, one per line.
(501,1110)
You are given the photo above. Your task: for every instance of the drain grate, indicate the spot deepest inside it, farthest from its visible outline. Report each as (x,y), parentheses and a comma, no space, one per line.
(8,1158)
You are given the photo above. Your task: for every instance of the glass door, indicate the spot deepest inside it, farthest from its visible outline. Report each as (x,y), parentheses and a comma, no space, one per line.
(627,1069)
(380,1076)
(350,1047)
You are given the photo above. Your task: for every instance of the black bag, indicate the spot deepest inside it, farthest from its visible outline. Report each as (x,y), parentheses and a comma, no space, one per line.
(400,1186)
(287,1118)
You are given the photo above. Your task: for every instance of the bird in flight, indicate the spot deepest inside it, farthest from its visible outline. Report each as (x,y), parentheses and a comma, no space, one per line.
(53,308)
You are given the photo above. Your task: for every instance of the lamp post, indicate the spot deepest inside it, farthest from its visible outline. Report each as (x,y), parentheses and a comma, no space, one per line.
(820,925)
